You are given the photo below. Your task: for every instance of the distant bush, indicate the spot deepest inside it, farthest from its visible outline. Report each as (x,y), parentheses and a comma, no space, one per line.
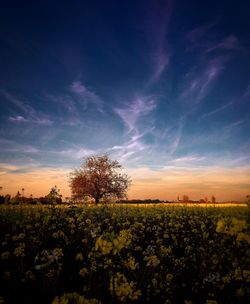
(2,199)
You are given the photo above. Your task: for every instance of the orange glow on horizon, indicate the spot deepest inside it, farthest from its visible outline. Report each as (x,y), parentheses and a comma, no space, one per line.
(165,184)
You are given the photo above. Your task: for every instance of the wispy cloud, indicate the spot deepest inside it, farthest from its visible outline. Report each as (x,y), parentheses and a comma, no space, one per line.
(86,96)
(165,141)
(233,125)
(127,150)
(12,146)
(188,159)
(138,108)
(173,146)
(241,160)
(18,118)
(174,138)
(247,92)
(214,139)
(195,37)
(63,100)
(160,61)
(199,83)
(39,121)
(158,19)
(23,106)
(197,33)
(29,114)
(225,106)
(229,43)
(76,153)
(200,38)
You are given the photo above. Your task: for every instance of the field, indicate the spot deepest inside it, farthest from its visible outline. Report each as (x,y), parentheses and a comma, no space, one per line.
(124,254)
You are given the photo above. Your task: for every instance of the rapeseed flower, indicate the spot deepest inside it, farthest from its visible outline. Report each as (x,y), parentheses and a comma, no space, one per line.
(103,245)
(123,289)
(130,263)
(5,255)
(69,298)
(152,261)
(19,251)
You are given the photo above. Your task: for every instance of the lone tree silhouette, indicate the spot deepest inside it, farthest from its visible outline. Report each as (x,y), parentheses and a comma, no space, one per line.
(99,177)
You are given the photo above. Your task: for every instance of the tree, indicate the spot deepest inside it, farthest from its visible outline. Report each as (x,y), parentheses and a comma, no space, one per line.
(2,199)
(7,198)
(185,198)
(213,199)
(54,196)
(1,196)
(248,200)
(16,199)
(99,177)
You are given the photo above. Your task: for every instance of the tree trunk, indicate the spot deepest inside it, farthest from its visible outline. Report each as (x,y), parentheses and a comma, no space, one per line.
(97,200)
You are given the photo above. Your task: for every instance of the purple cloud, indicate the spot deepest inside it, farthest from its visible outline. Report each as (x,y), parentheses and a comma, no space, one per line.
(24,107)
(134,111)
(199,83)
(18,118)
(241,159)
(29,114)
(233,125)
(175,138)
(77,153)
(12,146)
(39,121)
(161,61)
(157,23)
(225,106)
(200,38)
(247,92)
(189,158)
(86,96)
(229,43)
(64,100)
(195,37)
(131,148)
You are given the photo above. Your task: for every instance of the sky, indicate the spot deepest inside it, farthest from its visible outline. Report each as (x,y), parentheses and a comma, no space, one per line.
(161,86)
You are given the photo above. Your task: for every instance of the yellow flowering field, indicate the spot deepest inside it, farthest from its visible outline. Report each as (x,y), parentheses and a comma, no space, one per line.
(124,254)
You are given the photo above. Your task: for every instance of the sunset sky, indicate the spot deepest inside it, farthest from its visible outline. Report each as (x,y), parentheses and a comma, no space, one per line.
(161,86)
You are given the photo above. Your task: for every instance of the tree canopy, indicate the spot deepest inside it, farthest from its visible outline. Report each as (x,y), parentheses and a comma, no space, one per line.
(99,177)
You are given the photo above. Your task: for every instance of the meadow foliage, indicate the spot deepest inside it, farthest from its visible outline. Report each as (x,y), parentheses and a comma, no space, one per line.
(124,254)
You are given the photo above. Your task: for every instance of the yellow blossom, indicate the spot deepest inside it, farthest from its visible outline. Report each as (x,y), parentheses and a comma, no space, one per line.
(69,298)
(131,263)
(152,260)
(19,251)
(79,257)
(124,290)
(103,245)
(5,255)
(83,271)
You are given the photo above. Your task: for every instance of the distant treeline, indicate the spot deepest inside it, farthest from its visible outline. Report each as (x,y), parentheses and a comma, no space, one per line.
(57,199)
(157,201)
(7,199)
(146,201)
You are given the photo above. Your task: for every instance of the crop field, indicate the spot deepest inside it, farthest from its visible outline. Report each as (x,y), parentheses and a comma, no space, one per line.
(124,254)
